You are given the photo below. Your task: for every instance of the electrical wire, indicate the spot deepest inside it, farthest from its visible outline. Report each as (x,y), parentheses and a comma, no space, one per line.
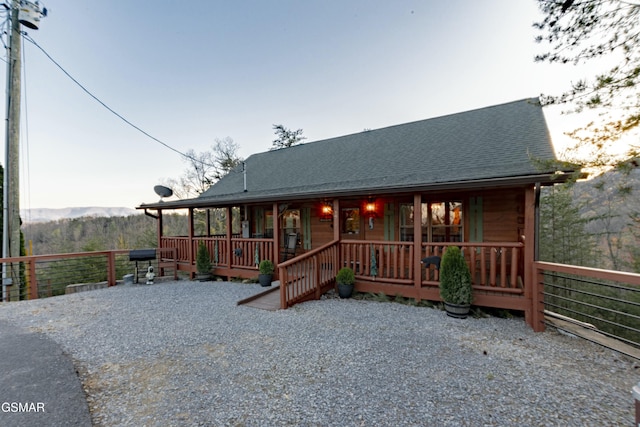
(29,39)
(26,158)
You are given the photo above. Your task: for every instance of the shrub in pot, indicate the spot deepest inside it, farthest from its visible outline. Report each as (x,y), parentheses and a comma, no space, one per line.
(203,262)
(455,283)
(345,279)
(266,272)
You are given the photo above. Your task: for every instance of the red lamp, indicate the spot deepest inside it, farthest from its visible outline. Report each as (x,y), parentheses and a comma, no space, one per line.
(370,209)
(326,212)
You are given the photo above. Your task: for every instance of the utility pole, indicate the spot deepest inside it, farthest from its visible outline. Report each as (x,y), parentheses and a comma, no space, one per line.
(28,13)
(11,192)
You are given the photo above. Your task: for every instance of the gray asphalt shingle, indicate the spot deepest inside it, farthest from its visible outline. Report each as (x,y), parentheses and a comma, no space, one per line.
(487,143)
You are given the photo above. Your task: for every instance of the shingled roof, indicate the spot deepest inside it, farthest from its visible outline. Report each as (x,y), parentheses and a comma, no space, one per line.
(478,147)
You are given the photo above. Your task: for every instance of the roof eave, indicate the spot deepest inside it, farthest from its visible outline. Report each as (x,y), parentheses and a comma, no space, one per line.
(246,198)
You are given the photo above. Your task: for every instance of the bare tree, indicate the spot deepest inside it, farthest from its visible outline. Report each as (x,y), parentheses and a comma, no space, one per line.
(225,154)
(205,168)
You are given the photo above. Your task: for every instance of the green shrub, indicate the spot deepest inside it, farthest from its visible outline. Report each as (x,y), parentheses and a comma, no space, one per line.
(346,276)
(455,278)
(266,267)
(203,260)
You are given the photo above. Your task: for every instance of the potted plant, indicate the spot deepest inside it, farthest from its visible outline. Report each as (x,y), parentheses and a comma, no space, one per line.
(345,279)
(455,283)
(203,263)
(266,272)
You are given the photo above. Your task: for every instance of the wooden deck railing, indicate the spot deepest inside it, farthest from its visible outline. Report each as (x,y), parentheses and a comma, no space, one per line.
(237,252)
(309,275)
(180,243)
(494,266)
(390,262)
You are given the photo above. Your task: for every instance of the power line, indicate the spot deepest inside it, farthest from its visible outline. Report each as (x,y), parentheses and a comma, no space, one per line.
(29,39)
(26,159)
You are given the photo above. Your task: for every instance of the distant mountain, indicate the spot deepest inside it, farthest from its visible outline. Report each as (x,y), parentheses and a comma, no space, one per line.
(46,214)
(601,197)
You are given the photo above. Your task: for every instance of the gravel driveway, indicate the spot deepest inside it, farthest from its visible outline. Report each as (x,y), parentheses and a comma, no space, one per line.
(183,354)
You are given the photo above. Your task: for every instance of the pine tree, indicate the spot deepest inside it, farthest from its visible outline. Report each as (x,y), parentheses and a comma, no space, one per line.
(563,238)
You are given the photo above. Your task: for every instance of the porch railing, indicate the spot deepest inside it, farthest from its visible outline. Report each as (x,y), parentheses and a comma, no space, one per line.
(494,266)
(180,243)
(236,252)
(390,262)
(309,275)
(390,267)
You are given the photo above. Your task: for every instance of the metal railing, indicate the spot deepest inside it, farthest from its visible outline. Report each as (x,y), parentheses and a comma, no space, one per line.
(603,300)
(41,276)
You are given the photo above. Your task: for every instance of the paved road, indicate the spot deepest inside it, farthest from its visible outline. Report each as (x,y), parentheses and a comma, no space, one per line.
(38,383)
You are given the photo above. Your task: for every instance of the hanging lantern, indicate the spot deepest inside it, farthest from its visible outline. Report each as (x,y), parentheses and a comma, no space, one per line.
(326,212)
(370,209)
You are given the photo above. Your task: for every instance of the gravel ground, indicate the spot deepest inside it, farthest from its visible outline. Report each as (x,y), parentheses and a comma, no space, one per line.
(183,354)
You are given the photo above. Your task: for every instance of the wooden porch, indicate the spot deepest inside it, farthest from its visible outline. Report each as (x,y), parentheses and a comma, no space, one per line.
(382,264)
(392,268)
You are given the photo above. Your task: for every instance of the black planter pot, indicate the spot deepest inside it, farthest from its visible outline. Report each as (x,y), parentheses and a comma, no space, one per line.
(203,277)
(265,279)
(459,311)
(345,291)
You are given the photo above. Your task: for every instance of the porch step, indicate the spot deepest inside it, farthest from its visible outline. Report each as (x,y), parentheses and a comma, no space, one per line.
(268,299)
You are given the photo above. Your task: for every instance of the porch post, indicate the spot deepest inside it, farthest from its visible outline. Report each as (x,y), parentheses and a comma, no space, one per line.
(337,234)
(417,244)
(228,236)
(192,258)
(160,228)
(532,314)
(336,219)
(276,235)
(33,279)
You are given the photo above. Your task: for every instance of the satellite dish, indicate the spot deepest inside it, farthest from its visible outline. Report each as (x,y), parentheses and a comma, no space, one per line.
(163,191)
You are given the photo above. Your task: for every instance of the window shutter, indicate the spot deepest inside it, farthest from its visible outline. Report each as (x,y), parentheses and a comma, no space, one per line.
(306,228)
(389,222)
(259,221)
(475,219)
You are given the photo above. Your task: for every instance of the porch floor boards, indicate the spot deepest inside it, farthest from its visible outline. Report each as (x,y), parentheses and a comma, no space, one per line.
(268,299)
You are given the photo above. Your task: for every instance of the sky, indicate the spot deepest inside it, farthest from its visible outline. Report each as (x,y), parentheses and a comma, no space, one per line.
(189,73)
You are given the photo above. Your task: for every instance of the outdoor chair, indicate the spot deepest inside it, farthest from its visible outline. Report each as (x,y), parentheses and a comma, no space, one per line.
(290,247)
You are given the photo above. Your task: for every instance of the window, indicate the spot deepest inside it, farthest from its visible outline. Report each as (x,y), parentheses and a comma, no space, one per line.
(407,218)
(268,224)
(446,222)
(290,223)
(440,222)
(350,220)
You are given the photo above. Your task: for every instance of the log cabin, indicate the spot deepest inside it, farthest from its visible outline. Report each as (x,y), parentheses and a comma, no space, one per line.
(382,201)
